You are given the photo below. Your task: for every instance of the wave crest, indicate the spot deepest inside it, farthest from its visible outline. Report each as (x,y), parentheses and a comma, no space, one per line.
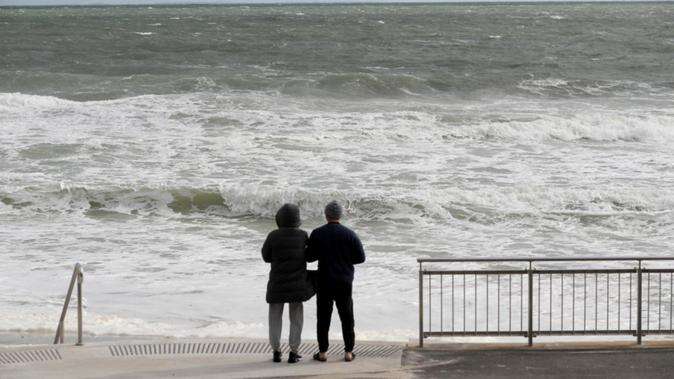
(488,205)
(367,84)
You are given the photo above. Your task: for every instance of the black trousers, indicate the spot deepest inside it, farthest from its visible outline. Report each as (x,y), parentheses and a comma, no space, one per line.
(325,298)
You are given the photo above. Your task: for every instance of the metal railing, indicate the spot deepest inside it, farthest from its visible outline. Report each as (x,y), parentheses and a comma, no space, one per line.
(78,276)
(535,301)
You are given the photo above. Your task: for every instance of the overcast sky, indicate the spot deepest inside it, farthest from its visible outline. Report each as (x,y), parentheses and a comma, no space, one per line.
(87,2)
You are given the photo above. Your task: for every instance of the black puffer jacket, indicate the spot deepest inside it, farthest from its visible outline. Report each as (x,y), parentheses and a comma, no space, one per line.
(285,249)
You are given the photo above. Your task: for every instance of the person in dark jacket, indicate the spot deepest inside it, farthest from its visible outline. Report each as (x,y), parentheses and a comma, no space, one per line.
(337,248)
(285,249)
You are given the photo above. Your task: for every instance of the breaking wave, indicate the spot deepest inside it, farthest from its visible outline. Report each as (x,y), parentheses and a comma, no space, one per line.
(567,125)
(559,87)
(487,205)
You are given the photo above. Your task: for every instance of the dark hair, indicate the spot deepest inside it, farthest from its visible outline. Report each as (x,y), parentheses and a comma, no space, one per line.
(333,211)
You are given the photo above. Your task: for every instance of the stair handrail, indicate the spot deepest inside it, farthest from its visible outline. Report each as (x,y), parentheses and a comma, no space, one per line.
(78,276)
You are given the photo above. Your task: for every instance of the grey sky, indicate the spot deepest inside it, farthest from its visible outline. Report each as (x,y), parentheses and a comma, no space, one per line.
(90,2)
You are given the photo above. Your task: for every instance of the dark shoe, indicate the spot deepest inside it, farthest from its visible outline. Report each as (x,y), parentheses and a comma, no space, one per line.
(349,356)
(317,357)
(277,356)
(294,357)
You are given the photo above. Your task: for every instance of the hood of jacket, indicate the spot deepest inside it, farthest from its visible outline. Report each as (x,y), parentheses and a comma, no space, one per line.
(288,216)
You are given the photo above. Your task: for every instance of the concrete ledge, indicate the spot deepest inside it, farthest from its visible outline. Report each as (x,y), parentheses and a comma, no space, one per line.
(568,345)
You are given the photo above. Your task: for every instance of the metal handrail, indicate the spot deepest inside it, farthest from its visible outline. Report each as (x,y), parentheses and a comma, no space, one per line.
(544,259)
(528,291)
(78,276)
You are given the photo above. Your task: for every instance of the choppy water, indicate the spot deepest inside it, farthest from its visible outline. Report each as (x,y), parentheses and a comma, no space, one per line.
(155,144)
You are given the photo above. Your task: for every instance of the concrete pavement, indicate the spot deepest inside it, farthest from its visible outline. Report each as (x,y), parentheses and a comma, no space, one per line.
(248,358)
(566,360)
(202,358)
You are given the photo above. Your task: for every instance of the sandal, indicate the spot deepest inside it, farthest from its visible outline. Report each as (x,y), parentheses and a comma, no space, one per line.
(317,357)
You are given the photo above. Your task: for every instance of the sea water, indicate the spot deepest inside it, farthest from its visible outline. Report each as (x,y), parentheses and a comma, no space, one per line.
(154,146)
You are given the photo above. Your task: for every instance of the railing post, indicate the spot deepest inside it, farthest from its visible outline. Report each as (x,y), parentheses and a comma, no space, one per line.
(80,278)
(639,332)
(60,328)
(77,276)
(421,306)
(530,327)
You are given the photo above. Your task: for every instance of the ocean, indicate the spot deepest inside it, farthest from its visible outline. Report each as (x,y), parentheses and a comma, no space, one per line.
(155,144)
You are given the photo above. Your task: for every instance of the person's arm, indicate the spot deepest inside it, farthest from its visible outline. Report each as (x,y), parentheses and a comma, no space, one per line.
(311,253)
(357,253)
(266,250)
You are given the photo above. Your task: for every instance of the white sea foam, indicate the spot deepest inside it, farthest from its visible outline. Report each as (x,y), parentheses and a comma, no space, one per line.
(512,119)
(18,102)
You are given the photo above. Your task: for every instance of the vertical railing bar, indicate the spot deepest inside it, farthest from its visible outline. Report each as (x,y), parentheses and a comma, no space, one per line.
(619,308)
(475,305)
(430,308)
(498,304)
(659,300)
(521,302)
(573,302)
(510,302)
(464,302)
(639,298)
(608,300)
(421,306)
(442,305)
(630,301)
(530,321)
(671,300)
(80,278)
(596,302)
(486,328)
(561,276)
(550,304)
(539,302)
(648,302)
(584,301)
(452,302)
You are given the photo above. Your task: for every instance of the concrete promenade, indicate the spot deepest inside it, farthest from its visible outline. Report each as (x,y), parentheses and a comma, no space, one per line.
(248,358)
(192,358)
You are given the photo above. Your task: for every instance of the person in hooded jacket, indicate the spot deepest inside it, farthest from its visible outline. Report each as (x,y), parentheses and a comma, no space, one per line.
(285,249)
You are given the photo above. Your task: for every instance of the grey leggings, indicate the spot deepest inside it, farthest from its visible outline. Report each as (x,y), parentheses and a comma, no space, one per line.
(276,322)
